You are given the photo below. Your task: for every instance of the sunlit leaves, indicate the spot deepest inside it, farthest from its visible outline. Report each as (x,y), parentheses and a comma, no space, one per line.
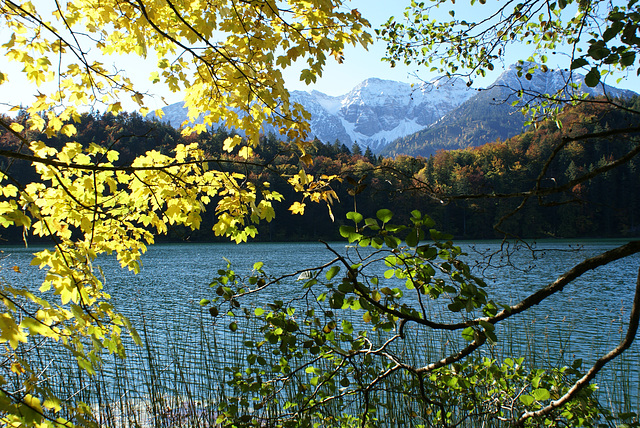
(88,205)
(332,272)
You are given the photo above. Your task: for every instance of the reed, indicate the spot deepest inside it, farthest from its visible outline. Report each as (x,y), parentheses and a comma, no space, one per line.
(177,377)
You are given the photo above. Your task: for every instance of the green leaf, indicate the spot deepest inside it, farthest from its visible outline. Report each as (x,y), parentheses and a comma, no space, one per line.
(258,311)
(612,31)
(332,272)
(384,215)
(541,394)
(377,242)
(392,241)
(345,287)
(578,62)
(204,302)
(487,326)
(599,52)
(350,233)
(412,238)
(336,300)
(627,58)
(346,231)
(347,327)
(386,290)
(372,223)
(427,251)
(527,400)
(468,334)
(356,217)
(592,78)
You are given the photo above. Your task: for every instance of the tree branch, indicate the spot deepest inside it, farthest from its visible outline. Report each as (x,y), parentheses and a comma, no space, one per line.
(632,330)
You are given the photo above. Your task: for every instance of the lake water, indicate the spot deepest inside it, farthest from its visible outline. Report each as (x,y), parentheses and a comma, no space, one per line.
(585,320)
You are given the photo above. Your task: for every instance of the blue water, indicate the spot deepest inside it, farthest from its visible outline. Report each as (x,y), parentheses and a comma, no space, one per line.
(585,320)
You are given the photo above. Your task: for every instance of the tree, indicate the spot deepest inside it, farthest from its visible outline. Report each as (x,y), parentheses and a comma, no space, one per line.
(369,155)
(357,346)
(356,150)
(227,57)
(335,372)
(599,37)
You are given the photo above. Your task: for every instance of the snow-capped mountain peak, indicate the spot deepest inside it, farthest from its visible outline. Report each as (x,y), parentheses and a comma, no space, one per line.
(379,111)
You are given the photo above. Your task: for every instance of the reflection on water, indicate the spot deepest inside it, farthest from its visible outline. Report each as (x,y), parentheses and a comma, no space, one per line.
(585,320)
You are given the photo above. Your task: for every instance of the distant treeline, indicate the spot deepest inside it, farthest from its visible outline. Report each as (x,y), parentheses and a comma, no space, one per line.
(465,191)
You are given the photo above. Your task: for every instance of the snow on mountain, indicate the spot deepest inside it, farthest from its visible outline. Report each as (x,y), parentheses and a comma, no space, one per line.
(551,81)
(489,114)
(373,113)
(377,112)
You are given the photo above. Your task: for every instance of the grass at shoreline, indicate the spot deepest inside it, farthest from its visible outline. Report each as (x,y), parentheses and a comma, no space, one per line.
(171,381)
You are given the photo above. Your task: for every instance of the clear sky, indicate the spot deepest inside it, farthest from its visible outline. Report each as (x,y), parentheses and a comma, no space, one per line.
(337,79)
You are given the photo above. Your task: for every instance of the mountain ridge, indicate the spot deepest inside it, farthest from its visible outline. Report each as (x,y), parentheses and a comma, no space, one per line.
(394,118)
(489,115)
(373,114)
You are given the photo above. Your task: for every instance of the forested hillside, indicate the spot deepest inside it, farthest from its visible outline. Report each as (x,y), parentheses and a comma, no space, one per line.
(482,119)
(494,112)
(481,177)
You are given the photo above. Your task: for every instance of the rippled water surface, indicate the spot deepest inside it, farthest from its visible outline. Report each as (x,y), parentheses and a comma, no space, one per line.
(585,320)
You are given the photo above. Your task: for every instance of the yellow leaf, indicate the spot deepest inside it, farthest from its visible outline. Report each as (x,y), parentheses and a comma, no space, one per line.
(16,127)
(231,142)
(10,332)
(115,108)
(297,208)
(32,402)
(246,152)
(68,130)
(112,155)
(17,368)
(137,97)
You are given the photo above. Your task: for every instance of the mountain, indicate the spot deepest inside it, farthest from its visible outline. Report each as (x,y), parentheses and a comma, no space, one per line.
(394,118)
(489,114)
(373,114)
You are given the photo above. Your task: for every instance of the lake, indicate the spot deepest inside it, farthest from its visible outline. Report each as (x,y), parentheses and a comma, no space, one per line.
(585,320)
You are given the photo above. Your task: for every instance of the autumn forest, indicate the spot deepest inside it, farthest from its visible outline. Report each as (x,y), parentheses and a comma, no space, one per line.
(471,193)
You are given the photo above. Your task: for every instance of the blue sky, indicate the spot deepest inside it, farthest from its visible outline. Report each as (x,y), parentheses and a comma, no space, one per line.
(337,79)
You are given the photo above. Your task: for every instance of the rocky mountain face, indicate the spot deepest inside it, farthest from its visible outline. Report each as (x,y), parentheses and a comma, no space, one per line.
(373,114)
(489,114)
(377,112)
(395,118)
